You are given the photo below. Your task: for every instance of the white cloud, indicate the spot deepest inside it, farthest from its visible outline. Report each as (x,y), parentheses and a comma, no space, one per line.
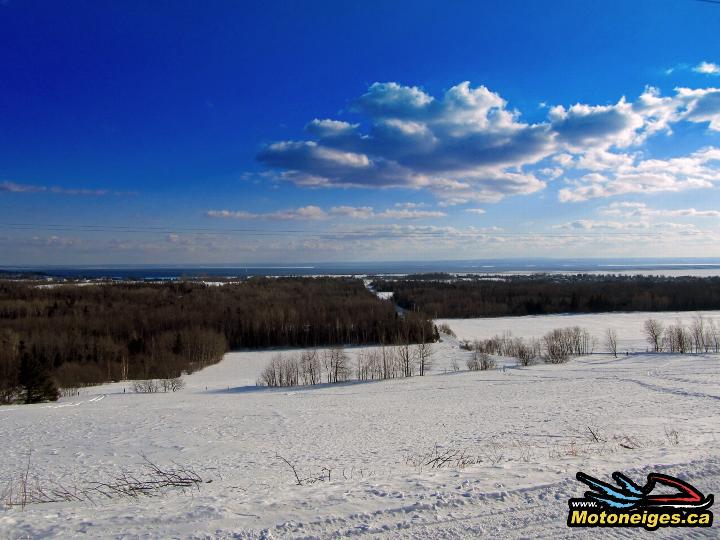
(551,173)
(708,68)
(634,175)
(688,212)
(564,160)
(468,146)
(355,212)
(12,187)
(410,205)
(603,160)
(702,105)
(637,209)
(302,213)
(589,224)
(330,128)
(478,211)
(452,201)
(228,214)
(410,214)
(405,211)
(391,100)
(623,208)
(466,140)
(582,126)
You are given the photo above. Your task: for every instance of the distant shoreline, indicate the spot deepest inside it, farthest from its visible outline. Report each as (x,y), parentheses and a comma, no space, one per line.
(704,267)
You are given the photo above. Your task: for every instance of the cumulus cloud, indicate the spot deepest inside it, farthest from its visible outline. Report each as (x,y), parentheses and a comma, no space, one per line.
(708,68)
(635,175)
(702,105)
(584,127)
(330,128)
(467,145)
(465,141)
(581,126)
(478,211)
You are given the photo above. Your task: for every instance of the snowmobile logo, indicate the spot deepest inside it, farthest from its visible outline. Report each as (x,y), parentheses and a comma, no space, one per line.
(664,501)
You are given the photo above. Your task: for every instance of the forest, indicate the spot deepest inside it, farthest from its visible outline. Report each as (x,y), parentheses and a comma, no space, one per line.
(476,296)
(69,335)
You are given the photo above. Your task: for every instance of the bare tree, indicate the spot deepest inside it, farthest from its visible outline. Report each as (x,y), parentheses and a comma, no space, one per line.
(677,339)
(611,341)
(714,336)
(337,367)
(558,346)
(368,365)
(145,387)
(406,358)
(424,353)
(526,353)
(473,363)
(699,334)
(480,361)
(281,371)
(172,385)
(653,330)
(310,367)
(389,363)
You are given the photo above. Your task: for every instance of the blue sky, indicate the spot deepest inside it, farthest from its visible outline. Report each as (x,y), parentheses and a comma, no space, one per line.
(189,132)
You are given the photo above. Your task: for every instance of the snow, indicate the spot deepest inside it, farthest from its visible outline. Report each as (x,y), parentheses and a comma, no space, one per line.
(628,326)
(526,427)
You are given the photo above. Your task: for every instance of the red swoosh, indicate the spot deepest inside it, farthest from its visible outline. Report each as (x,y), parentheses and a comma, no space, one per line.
(694,495)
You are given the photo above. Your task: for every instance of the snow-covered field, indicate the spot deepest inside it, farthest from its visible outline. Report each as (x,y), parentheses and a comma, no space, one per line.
(526,429)
(628,326)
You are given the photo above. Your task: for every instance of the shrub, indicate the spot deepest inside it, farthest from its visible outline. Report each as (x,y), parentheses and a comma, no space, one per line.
(486,361)
(145,387)
(172,385)
(480,361)
(561,343)
(526,354)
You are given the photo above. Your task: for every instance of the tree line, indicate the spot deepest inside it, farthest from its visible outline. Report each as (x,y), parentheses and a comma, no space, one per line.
(701,336)
(474,296)
(69,335)
(310,367)
(555,347)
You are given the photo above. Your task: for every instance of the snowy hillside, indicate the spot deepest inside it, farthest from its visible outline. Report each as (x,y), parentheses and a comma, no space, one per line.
(523,433)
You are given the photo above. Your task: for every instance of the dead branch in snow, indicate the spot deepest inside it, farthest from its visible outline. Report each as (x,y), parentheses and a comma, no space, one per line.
(30,488)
